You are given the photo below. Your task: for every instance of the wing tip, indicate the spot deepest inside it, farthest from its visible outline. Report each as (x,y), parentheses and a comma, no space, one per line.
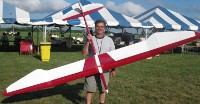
(5,93)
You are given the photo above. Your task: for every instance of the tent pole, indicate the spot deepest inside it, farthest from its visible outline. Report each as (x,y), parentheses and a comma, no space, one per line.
(38,41)
(137,30)
(122,33)
(146,33)
(32,30)
(44,32)
(152,30)
(0,27)
(70,35)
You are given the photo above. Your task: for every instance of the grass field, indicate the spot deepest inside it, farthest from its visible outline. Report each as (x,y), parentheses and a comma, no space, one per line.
(167,79)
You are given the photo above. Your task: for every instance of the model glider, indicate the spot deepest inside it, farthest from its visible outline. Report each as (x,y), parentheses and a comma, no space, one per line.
(155,44)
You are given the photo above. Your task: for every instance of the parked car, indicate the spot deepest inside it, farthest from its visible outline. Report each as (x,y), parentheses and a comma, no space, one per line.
(65,42)
(78,40)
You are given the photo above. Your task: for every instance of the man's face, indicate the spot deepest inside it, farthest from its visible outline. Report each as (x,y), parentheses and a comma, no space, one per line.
(100,28)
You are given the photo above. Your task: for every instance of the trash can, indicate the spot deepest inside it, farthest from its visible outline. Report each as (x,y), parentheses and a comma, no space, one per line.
(45,51)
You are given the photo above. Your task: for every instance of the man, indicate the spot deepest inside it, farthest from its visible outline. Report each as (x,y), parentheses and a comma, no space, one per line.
(29,37)
(5,41)
(17,40)
(102,44)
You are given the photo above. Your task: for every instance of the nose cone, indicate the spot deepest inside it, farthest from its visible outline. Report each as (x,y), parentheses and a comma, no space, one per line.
(5,93)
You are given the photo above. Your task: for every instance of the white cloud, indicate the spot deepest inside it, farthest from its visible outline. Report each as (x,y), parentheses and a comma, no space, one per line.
(39,6)
(127,8)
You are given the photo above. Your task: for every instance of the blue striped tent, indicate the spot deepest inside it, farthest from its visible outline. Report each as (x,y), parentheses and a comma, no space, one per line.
(164,18)
(112,18)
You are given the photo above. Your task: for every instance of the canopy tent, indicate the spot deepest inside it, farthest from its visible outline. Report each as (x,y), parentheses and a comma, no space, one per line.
(10,14)
(164,18)
(112,18)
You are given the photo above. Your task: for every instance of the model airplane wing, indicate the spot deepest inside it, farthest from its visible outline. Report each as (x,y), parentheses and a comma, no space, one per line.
(155,44)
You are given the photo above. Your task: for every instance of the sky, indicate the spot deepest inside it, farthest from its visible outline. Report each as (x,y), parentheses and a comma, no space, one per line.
(41,8)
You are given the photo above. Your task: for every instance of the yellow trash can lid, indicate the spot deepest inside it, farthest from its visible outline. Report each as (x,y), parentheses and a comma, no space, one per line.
(45,43)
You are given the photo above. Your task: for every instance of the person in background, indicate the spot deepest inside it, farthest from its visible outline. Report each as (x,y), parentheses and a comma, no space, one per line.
(29,37)
(4,36)
(5,41)
(17,40)
(102,44)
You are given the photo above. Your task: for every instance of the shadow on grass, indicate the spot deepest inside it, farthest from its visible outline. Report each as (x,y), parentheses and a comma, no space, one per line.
(70,92)
(54,48)
(11,48)
(37,56)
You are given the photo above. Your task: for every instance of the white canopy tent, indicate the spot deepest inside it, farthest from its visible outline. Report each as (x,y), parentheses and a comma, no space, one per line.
(112,18)
(160,17)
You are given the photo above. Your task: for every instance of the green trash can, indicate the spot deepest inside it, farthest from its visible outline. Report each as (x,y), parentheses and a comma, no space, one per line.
(45,48)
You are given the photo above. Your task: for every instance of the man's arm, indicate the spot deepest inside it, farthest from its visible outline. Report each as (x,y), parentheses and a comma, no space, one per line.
(85,49)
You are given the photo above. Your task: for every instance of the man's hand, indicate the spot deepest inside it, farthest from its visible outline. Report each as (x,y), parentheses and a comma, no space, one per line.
(89,37)
(86,46)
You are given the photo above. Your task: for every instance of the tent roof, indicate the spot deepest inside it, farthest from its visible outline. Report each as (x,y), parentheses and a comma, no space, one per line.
(10,14)
(164,18)
(112,18)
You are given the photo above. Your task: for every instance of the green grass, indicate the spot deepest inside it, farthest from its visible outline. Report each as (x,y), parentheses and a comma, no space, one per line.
(168,79)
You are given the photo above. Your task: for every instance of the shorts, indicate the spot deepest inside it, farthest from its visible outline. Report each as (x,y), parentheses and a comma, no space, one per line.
(93,82)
